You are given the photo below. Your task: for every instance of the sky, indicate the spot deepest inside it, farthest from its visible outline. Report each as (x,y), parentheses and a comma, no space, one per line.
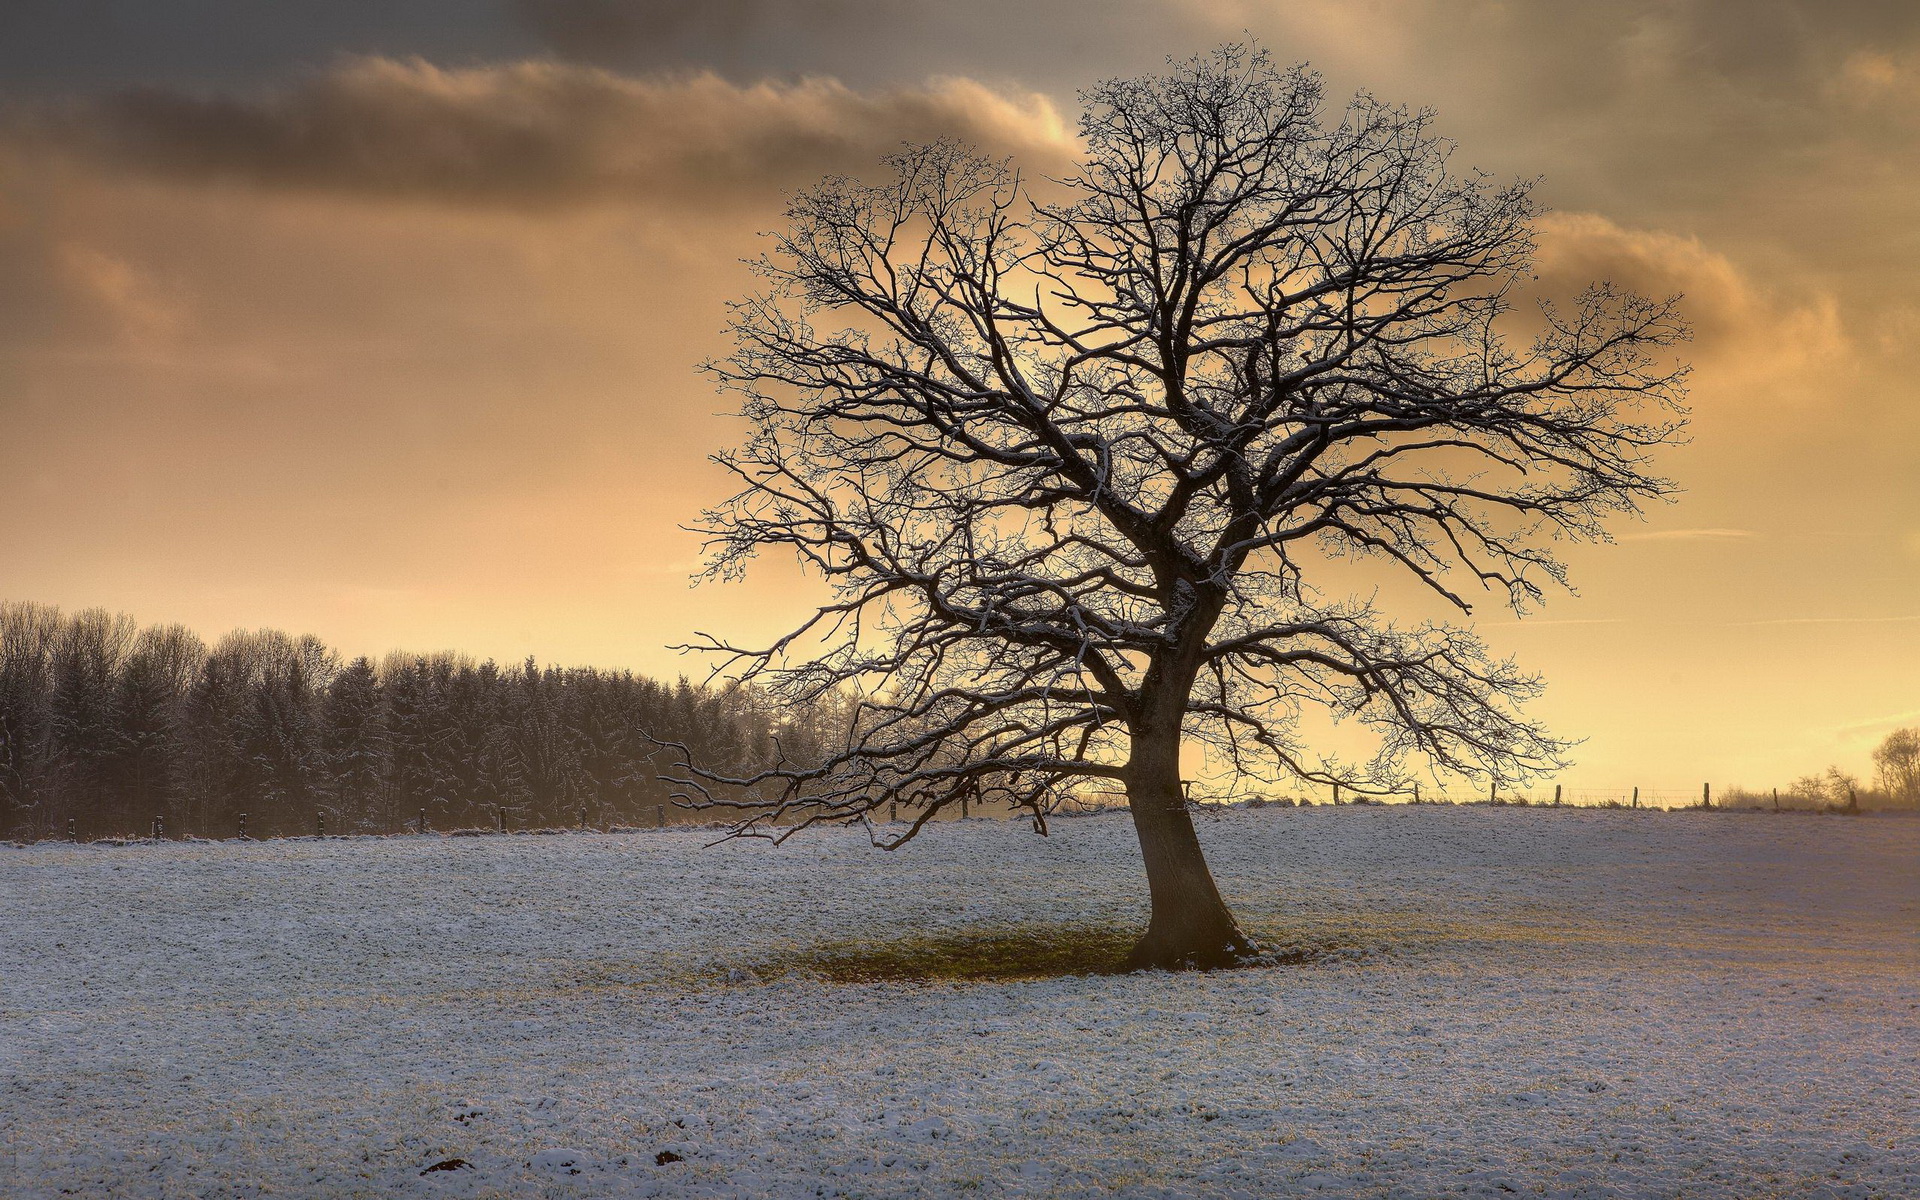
(382,322)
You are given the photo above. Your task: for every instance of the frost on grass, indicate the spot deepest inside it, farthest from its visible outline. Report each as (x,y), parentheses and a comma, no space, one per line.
(1495,1002)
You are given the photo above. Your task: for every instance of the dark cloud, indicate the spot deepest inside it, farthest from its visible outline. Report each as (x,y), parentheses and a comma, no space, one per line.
(65,46)
(601,30)
(1746,335)
(1556,50)
(535,134)
(871,41)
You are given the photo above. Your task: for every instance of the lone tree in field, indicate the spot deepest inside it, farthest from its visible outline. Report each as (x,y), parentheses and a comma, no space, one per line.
(1072,458)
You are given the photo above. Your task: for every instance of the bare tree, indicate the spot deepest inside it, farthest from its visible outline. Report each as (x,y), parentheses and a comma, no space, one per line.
(1897,760)
(1079,461)
(1843,788)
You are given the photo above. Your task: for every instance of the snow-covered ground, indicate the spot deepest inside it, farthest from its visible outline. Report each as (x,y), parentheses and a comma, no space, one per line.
(1568,1003)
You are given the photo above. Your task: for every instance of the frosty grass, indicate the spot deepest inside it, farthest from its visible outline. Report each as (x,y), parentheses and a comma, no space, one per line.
(1503,1002)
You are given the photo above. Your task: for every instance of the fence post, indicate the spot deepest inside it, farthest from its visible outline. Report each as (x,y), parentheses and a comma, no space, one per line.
(159,828)
(583,818)
(1336,793)
(1493,791)
(320,822)
(1776,799)
(1706,795)
(1556,795)
(71,835)
(501,813)
(1636,797)
(423,820)
(1416,791)
(963,808)
(243,826)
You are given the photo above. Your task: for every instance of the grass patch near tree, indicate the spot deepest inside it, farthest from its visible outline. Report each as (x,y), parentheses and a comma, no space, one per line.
(989,956)
(971,955)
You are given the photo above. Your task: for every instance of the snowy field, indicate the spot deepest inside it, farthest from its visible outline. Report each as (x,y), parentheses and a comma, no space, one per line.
(1514,1002)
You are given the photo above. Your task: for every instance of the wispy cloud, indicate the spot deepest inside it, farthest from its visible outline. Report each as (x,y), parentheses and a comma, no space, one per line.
(1533,623)
(1831,621)
(1530,623)
(1876,725)
(1689,535)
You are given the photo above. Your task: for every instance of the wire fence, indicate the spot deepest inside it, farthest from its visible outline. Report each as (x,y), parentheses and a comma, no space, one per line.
(1662,799)
(506,821)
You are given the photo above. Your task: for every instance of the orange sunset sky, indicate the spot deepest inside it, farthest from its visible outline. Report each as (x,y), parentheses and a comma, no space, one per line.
(380,321)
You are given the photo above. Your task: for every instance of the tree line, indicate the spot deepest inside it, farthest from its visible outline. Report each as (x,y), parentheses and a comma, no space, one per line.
(1895,785)
(110,726)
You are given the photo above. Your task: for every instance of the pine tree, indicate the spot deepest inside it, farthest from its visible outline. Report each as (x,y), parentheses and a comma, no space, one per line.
(545,743)
(355,748)
(410,779)
(86,725)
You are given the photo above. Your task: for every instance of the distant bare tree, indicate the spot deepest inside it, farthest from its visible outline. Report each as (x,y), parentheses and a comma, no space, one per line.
(1843,788)
(1897,760)
(1811,788)
(1070,460)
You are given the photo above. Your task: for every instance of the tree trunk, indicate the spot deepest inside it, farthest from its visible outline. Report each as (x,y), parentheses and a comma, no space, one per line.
(1191,927)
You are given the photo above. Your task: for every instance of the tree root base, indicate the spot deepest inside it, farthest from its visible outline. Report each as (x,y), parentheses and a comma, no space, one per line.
(1188,950)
